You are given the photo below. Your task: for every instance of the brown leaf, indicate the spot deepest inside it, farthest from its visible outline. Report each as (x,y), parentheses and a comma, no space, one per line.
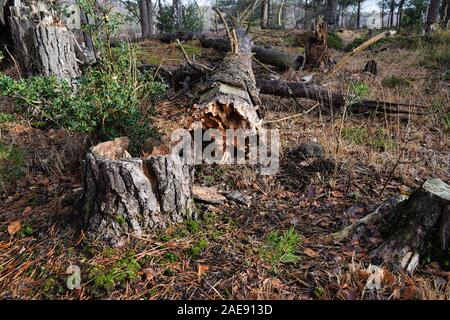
(349,294)
(14,227)
(201,269)
(150,273)
(310,253)
(27,210)
(44,181)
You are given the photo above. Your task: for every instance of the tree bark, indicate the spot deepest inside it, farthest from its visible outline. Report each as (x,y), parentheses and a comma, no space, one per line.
(411,227)
(445,14)
(432,15)
(124,195)
(358,15)
(144,15)
(264,13)
(150,17)
(391,14)
(43,47)
(178,13)
(316,49)
(400,13)
(331,13)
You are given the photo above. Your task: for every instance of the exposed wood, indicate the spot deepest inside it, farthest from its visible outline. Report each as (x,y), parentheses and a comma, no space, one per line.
(316,49)
(125,195)
(229,98)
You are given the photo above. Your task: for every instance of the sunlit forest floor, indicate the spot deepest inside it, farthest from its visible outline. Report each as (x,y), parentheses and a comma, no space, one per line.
(277,245)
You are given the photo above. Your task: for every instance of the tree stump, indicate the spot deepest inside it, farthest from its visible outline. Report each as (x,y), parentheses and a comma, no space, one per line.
(42,43)
(316,48)
(125,195)
(418,226)
(411,228)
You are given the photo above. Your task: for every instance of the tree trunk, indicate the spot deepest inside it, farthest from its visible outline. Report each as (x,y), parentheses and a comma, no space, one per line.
(331,13)
(264,13)
(144,14)
(358,15)
(391,14)
(316,49)
(382,13)
(178,13)
(43,47)
(400,13)
(445,14)
(432,14)
(280,13)
(86,37)
(124,195)
(229,98)
(411,228)
(279,59)
(151,30)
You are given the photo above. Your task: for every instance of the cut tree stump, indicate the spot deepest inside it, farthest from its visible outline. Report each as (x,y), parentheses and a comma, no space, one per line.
(128,196)
(43,45)
(411,229)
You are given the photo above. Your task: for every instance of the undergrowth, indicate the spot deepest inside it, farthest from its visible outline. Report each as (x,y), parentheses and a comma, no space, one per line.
(280,248)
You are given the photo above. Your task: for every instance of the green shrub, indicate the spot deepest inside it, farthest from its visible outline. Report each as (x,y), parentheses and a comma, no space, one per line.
(434,51)
(107,100)
(334,41)
(281,248)
(6,117)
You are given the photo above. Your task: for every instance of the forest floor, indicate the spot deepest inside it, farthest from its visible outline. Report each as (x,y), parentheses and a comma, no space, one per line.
(240,251)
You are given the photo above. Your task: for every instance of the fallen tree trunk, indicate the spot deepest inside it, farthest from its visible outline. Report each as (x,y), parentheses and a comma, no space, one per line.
(43,45)
(125,195)
(172,37)
(229,98)
(415,227)
(277,58)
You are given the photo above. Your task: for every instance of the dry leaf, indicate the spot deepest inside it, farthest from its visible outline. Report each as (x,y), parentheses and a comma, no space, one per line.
(201,269)
(27,210)
(310,253)
(14,227)
(150,273)
(44,181)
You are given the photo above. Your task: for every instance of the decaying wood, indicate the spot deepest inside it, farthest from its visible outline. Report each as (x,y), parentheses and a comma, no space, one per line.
(172,37)
(43,46)
(371,67)
(411,227)
(125,195)
(316,49)
(229,98)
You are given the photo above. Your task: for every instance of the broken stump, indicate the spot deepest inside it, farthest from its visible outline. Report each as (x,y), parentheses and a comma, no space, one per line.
(127,196)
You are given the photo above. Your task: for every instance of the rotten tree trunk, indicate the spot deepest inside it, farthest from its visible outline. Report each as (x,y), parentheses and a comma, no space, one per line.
(316,49)
(279,59)
(125,195)
(43,46)
(229,98)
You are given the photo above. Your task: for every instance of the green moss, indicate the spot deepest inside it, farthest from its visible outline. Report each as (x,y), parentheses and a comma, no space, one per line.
(12,164)
(120,219)
(198,248)
(25,231)
(169,257)
(124,270)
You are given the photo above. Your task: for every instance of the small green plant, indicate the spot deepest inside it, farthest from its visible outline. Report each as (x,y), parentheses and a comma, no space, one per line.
(281,248)
(197,248)
(359,88)
(446,122)
(395,82)
(120,219)
(361,136)
(170,257)
(12,164)
(318,292)
(193,226)
(6,117)
(25,231)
